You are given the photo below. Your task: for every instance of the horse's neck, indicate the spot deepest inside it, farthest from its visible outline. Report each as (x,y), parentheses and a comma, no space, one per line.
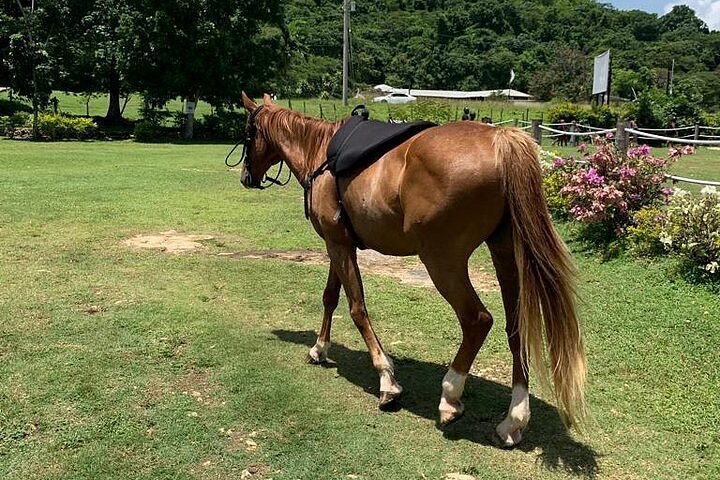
(304,147)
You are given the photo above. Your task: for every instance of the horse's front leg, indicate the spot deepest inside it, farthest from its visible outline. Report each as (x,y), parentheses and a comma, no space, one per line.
(331,295)
(344,261)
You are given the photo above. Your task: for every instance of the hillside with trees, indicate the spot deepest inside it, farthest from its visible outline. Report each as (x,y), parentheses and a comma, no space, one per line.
(210,50)
(470,45)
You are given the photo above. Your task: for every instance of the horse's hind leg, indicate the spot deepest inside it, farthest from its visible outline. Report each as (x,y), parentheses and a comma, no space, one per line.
(331,296)
(452,281)
(344,261)
(501,248)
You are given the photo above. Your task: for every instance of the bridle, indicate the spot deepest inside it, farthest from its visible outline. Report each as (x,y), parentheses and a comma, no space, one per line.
(250,132)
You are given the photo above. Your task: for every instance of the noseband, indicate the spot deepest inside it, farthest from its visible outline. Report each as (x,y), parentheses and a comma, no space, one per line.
(250,132)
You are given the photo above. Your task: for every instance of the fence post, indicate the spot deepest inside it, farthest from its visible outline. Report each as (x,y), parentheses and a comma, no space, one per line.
(321,112)
(536,131)
(621,138)
(697,132)
(515,122)
(574,138)
(290,104)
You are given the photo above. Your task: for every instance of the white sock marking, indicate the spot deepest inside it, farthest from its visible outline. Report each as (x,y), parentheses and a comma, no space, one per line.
(319,351)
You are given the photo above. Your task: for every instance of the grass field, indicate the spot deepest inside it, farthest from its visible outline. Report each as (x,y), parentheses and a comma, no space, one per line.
(121,363)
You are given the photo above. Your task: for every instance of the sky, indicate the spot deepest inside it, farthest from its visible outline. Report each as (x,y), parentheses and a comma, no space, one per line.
(707,10)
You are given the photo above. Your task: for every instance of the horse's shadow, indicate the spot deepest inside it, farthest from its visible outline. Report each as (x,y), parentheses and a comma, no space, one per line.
(486,404)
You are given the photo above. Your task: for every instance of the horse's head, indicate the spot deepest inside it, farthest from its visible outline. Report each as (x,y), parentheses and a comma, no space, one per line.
(259,154)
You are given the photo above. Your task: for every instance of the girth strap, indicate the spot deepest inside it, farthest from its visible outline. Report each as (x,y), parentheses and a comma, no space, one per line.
(344,217)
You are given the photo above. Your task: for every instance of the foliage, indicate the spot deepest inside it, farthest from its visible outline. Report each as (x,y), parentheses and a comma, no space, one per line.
(9,107)
(555,171)
(654,109)
(61,127)
(692,228)
(596,116)
(147,131)
(710,119)
(565,76)
(608,188)
(14,121)
(430,110)
(209,50)
(643,235)
(200,47)
(222,125)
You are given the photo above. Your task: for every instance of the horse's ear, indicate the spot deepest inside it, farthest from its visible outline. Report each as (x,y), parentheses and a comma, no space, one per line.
(248,103)
(267,100)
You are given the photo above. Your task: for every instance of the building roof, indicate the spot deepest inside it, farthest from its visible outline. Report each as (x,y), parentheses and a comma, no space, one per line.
(504,92)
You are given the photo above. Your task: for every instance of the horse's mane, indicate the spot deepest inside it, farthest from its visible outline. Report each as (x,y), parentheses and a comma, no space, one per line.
(311,134)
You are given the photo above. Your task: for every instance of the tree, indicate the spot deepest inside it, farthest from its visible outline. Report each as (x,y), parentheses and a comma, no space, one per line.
(86,47)
(566,76)
(27,60)
(682,18)
(201,48)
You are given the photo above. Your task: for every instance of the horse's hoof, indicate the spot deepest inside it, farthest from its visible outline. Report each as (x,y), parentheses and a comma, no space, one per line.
(508,438)
(309,359)
(388,400)
(446,418)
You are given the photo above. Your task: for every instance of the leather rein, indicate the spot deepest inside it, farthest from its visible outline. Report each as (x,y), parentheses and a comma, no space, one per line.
(250,133)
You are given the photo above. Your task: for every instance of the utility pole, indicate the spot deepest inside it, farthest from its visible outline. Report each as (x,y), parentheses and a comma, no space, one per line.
(346,49)
(31,44)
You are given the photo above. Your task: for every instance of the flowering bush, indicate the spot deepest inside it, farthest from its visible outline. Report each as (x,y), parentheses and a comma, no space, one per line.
(60,127)
(643,236)
(692,228)
(555,169)
(604,189)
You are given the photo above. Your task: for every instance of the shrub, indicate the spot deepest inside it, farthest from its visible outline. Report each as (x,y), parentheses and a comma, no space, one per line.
(16,120)
(60,127)
(711,119)
(430,110)
(9,107)
(643,236)
(147,131)
(555,169)
(606,188)
(692,228)
(602,116)
(222,125)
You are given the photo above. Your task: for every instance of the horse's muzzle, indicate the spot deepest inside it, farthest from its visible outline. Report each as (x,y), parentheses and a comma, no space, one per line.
(246,179)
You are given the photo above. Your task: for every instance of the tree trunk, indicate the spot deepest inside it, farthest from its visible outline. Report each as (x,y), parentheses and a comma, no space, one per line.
(114,114)
(190,117)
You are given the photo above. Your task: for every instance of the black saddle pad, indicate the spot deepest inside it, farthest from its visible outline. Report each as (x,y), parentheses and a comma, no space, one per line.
(360,142)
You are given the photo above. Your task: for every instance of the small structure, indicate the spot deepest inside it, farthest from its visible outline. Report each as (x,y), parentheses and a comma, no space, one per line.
(504,93)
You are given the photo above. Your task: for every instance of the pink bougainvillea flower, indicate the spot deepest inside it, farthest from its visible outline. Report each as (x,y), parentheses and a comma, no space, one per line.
(593,178)
(687,150)
(627,172)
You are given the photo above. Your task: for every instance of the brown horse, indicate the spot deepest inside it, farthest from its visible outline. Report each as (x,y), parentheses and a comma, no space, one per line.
(439,195)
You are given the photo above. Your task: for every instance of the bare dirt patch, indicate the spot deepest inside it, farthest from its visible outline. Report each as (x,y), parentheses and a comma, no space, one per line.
(170,241)
(408,270)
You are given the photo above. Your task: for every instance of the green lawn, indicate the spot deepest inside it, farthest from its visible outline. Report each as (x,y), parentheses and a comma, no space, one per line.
(120,363)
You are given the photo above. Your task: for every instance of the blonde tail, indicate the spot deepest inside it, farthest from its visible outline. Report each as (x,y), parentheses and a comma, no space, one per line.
(547,293)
